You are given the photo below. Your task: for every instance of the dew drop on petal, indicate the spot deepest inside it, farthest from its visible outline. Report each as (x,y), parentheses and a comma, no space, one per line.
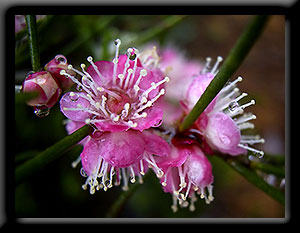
(74,97)
(79,88)
(61,59)
(42,112)
(232,106)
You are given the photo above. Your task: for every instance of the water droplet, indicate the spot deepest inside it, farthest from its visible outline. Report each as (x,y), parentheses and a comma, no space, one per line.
(61,59)
(225,139)
(42,112)
(29,73)
(40,80)
(74,97)
(117,42)
(79,88)
(131,53)
(83,173)
(232,106)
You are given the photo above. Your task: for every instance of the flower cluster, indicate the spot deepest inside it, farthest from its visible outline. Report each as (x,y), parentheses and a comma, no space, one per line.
(129,102)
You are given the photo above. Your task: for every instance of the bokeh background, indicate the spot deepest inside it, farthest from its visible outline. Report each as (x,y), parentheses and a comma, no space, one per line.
(56,191)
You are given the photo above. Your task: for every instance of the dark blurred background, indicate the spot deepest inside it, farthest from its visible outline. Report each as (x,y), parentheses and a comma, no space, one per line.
(56,191)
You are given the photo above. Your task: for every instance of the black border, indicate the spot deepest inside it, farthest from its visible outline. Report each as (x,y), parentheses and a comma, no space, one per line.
(289,12)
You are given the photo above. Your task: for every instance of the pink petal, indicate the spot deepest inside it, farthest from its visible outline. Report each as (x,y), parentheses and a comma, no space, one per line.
(76,115)
(155,144)
(222,133)
(122,149)
(198,168)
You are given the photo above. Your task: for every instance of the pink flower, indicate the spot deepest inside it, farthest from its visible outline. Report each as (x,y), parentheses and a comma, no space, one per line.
(218,124)
(115,96)
(47,88)
(181,71)
(124,154)
(187,172)
(57,64)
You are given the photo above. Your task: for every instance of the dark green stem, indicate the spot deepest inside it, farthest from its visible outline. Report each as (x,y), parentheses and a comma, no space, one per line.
(33,42)
(268,168)
(37,163)
(253,178)
(231,64)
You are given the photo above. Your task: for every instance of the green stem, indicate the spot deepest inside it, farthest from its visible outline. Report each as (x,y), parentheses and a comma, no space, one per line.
(253,178)
(37,163)
(268,168)
(230,65)
(33,42)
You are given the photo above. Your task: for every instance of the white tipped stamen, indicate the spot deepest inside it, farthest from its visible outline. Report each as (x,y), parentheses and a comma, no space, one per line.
(143,73)
(116,60)
(63,72)
(219,59)
(246,125)
(182,178)
(159,173)
(252,141)
(161,92)
(90,60)
(188,190)
(251,149)
(142,168)
(136,115)
(206,66)
(111,173)
(231,85)
(134,68)
(125,180)
(129,72)
(155,85)
(75,163)
(125,110)
(147,105)
(247,117)
(121,77)
(132,178)
(210,192)
(80,108)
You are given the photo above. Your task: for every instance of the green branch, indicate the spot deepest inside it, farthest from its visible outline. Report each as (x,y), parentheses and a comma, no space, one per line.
(33,42)
(230,65)
(37,163)
(253,178)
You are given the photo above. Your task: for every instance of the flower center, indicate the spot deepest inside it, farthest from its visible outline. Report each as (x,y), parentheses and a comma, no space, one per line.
(116,105)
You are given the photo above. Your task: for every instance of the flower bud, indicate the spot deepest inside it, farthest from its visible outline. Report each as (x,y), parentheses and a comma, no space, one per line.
(45,85)
(58,63)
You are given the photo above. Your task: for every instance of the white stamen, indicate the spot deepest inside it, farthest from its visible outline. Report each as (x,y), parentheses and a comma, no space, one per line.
(252,149)
(147,105)
(219,59)
(116,59)
(162,92)
(129,72)
(90,60)
(82,109)
(136,115)
(245,118)
(252,141)
(75,163)
(125,110)
(142,168)
(121,77)
(63,72)
(132,178)
(206,66)
(155,85)
(231,85)
(246,125)
(125,180)
(210,192)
